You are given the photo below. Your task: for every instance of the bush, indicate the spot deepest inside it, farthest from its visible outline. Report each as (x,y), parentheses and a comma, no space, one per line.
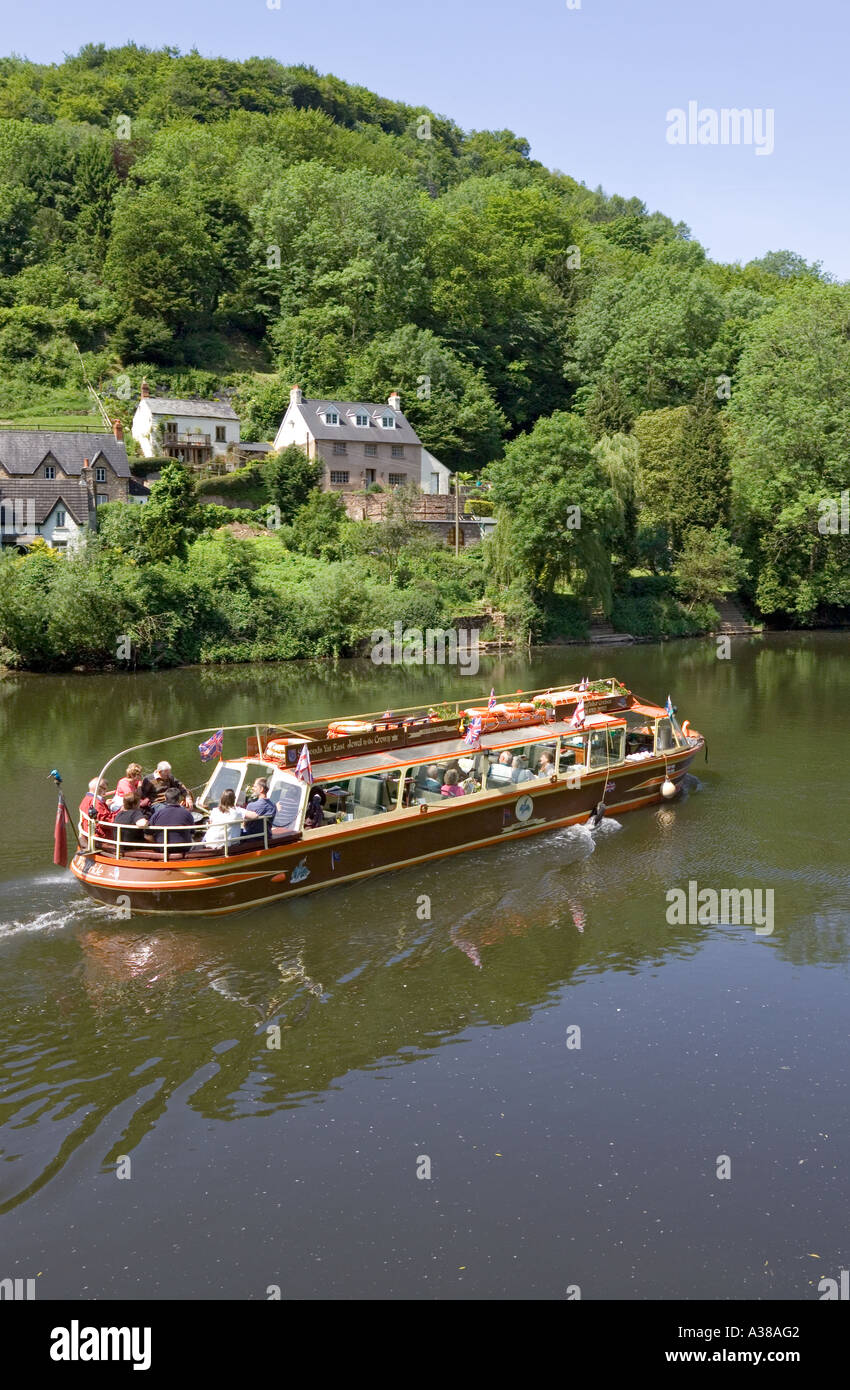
(564,615)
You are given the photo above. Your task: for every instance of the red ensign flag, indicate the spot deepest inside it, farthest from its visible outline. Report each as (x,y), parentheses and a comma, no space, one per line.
(60,836)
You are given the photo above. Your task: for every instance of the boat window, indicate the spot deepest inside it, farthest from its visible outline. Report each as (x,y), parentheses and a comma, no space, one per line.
(572,751)
(424,783)
(360,798)
(664,740)
(287,796)
(606,746)
(511,765)
(225,778)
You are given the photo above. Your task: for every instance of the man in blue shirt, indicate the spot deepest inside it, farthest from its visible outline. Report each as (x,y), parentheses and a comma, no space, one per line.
(173,816)
(259,810)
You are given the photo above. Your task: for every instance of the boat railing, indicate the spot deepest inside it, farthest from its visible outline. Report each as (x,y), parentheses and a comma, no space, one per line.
(106,838)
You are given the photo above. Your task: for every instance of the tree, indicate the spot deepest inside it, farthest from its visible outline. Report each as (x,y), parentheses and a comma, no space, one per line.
(790,418)
(560,510)
(446,400)
(317,524)
(709,564)
(171,518)
(289,478)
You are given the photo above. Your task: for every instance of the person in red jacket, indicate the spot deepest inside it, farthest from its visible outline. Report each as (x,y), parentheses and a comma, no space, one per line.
(94,801)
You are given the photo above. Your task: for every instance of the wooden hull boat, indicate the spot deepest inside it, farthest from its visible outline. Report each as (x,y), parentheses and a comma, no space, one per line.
(385,805)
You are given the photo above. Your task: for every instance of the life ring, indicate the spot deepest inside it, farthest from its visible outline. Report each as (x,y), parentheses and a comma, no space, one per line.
(276,749)
(490,720)
(342,728)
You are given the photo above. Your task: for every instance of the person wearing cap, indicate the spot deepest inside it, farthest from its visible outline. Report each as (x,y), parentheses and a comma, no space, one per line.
(176,818)
(154,788)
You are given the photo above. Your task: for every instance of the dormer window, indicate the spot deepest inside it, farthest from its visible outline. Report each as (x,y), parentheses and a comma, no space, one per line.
(331,417)
(387,422)
(361,418)
(49,471)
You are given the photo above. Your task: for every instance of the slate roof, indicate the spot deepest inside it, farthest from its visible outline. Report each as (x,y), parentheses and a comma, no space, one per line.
(213,410)
(404,433)
(44,496)
(22,451)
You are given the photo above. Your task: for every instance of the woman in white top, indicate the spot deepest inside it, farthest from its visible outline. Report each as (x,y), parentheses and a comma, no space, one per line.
(225,821)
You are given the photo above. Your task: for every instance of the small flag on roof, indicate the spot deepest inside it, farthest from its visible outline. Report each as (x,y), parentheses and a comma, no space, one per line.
(491,703)
(304,768)
(578,718)
(212,747)
(473,735)
(584,684)
(669,707)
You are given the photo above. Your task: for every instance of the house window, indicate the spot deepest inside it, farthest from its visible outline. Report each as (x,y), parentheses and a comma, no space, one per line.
(60,518)
(170,427)
(398,451)
(397,479)
(331,417)
(388,422)
(100,475)
(220,437)
(339,448)
(49,471)
(370,450)
(361,419)
(337,476)
(102,499)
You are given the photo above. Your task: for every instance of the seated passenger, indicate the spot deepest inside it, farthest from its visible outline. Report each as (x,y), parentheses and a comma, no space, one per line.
(163,780)
(546,766)
(128,785)
(451,786)
(505,758)
(258,810)
(520,771)
(315,817)
(225,821)
(433,780)
(132,821)
(173,817)
(95,798)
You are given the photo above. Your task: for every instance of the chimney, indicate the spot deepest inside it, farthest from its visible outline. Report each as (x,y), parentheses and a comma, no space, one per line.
(118,430)
(145,388)
(296,395)
(394,399)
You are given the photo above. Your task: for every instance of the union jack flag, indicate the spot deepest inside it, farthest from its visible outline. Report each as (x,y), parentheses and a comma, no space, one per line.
(473,734)
(212,747)
(491,703)
(304,768)
(578,718)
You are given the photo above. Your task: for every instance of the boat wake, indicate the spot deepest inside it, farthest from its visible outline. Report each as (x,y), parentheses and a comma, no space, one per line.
(69,907)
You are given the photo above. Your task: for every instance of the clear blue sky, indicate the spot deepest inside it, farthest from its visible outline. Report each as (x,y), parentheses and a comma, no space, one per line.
(589,88)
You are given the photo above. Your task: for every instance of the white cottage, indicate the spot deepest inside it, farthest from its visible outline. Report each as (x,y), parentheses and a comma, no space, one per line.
(191,431)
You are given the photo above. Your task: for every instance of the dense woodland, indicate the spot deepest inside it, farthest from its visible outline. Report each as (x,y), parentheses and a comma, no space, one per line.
(222,226)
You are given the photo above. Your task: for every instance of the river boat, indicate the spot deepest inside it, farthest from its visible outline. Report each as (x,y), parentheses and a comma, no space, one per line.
(396,789)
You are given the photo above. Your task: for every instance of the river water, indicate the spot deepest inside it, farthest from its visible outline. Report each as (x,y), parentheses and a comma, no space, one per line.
(155,1146)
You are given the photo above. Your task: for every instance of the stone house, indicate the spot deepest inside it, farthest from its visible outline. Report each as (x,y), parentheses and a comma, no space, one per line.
(360,443)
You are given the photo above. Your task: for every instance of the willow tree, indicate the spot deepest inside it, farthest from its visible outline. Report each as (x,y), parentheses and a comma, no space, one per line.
(559,512)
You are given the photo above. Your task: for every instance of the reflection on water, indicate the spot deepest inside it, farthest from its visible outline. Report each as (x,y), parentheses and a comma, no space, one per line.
(115,1033)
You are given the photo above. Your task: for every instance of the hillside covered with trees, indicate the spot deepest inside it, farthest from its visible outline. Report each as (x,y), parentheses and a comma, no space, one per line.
(216,225)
